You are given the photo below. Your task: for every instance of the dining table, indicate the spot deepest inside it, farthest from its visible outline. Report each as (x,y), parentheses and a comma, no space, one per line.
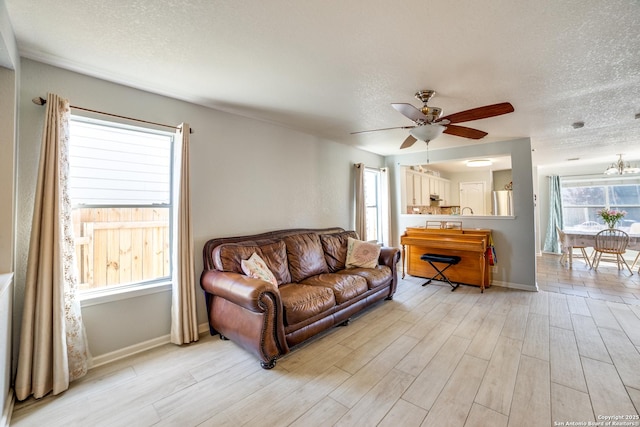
(587,238)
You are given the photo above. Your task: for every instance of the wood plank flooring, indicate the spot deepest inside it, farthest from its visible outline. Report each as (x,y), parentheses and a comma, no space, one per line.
(431,357)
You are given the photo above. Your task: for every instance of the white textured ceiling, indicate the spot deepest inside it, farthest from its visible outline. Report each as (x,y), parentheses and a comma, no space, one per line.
(332,67)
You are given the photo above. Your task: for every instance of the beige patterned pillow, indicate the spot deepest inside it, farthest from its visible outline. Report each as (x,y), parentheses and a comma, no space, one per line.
(362,254)
(256,267)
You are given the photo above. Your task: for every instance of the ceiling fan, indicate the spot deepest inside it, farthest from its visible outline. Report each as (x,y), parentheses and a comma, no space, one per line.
(429,125)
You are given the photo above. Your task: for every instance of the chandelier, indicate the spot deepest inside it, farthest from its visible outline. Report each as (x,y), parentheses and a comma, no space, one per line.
(621,167)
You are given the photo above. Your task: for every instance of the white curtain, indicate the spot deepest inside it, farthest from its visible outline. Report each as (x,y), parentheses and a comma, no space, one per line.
(361,218)
(385,209)
(184,322)
(53,344)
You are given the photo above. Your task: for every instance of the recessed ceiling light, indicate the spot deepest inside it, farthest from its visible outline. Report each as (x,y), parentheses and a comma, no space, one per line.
(478,163)
(578,125)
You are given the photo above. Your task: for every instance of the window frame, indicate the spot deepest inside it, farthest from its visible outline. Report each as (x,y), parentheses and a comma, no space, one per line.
(598,181)
(110,293)
(381,222)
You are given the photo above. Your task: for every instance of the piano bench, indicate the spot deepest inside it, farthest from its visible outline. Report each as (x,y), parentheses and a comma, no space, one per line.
(448,261)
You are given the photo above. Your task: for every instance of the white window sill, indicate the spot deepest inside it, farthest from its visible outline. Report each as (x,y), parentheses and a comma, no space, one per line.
(104,296)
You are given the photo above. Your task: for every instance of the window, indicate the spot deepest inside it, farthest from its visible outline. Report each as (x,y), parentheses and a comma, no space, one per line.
(376,203)
(582,197)
(121,193)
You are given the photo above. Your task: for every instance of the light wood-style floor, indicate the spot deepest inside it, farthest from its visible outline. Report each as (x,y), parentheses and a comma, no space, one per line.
(430,357)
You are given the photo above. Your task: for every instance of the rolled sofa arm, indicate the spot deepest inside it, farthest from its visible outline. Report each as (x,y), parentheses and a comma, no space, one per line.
(389,257)
(247,311)
(242,290)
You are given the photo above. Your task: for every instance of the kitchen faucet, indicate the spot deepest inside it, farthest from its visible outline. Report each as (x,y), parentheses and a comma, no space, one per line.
(466,207)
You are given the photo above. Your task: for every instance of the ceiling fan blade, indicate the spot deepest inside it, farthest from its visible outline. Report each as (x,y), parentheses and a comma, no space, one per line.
(479,113)
(411,112)
(408,142)
(376,130)
(464,132)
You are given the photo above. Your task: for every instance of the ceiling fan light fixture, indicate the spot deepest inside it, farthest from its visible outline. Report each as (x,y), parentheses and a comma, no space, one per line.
(427,132)
(478,163)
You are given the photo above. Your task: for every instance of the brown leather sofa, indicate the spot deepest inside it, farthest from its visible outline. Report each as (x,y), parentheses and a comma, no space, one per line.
(314,290)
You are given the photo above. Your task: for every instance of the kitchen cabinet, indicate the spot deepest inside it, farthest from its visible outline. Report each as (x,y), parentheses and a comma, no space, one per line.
(444,190)
(414,188)
(426,189)
(419,186)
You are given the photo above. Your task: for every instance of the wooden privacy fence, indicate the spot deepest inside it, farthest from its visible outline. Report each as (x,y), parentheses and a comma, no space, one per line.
(116,246)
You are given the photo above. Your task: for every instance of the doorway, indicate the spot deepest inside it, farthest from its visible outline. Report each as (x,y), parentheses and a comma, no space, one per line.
(472,195)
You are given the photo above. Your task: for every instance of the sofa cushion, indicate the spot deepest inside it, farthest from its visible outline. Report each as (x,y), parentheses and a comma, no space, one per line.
(301,302)
(305,255)
(255,267)
(335,249)
(375,277)
(274,255)
(361,254)
(344,287)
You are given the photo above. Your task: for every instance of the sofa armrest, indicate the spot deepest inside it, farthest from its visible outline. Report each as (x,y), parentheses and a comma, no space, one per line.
(247,311)
(242,290)
(389,257)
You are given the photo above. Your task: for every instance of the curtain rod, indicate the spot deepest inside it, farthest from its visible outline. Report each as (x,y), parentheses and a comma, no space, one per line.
(357,165)
(38,100)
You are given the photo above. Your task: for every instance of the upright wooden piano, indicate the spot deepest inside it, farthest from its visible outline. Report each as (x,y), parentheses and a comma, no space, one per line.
(469,244)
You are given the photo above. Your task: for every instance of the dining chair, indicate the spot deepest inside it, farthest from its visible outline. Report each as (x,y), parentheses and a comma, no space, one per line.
(635,229)
(611,243)
(565,251)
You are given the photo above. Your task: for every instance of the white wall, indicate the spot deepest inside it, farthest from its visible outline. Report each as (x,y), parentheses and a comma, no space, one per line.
(247,176)
(501,179)
(8,93)
(514,237)
(8,47)
(9,82)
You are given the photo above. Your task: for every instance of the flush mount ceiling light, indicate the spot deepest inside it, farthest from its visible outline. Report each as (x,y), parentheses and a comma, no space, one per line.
(621,168)
(478,163)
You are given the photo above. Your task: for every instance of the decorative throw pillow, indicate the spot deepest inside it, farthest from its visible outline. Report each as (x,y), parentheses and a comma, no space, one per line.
(362,254)
(256,267)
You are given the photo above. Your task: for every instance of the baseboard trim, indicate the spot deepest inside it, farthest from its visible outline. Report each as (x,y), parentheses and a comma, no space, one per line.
(8,409)
(113,356)
(511,285)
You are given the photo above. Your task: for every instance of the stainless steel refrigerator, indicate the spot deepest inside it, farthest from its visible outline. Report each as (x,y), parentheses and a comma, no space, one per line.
(502,203)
